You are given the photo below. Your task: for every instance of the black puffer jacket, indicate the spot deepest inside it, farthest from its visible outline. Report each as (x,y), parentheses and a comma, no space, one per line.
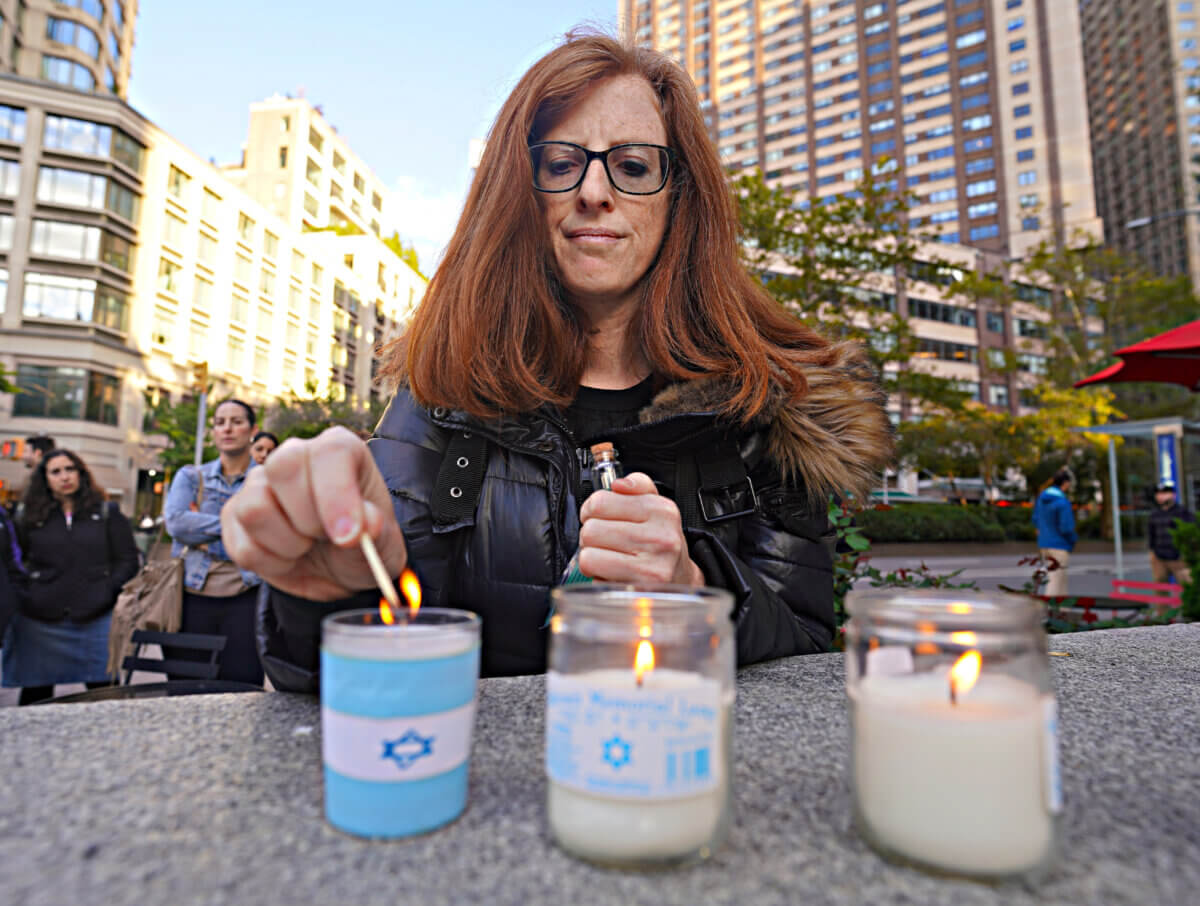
(75,573)
(770,547)
(1159,526)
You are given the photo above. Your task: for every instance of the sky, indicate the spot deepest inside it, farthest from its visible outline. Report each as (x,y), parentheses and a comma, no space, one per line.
(407,84)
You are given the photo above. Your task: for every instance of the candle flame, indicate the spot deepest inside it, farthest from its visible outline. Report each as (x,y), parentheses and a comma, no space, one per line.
(964,674)
(643,661)
(385,612)
(960,607)
(966,639)
(925,628)
(411,587)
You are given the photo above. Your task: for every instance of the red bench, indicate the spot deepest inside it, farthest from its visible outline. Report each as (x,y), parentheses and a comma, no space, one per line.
(1160,595)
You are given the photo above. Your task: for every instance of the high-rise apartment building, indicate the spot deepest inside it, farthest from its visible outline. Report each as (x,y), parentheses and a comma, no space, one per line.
(83,44)
(1143,78)
(978,106)
(296,164)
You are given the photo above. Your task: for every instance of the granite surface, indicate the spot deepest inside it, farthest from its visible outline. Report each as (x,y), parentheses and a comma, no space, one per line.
(217,799)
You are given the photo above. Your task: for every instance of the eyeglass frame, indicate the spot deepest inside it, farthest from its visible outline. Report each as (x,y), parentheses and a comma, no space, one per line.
(602,156)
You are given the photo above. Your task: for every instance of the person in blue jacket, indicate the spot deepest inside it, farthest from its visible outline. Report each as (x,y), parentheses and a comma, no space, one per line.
(1055,522)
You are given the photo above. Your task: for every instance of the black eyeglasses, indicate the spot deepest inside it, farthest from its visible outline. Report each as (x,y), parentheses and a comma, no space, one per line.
(635,168)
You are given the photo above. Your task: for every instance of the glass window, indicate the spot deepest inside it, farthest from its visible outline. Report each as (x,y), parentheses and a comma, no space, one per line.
(67,72)
(58,392)
(245,227)
(995,322)
(114,46)
(118,14)
(314,138)
(174,230)
(262,361)
(236,354)
(359,184)
(243,270)
(317,273)
(270,244)
(312,172)
(239,309)
(12,124)
(198,341)
(177,182)
(168,276)
(211,207)
(70,187)
(1030,223)
(57,296)
(111,309)
(1022,110)
(1025,154)
(121,201)
(1024,132)
(266,282)
(116,252)
(991,231)
(206,250)
(202,295)
(65,240)
(998,394)
(297,264)
(6,233)
(310,205)
(74,34)
(1016,46)
(1027,177)
(376,201)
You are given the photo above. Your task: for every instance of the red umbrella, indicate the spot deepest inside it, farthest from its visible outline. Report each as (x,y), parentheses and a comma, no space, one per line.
(1169,358)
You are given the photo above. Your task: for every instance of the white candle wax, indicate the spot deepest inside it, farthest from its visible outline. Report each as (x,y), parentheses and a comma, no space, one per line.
(645,827)
(967,787)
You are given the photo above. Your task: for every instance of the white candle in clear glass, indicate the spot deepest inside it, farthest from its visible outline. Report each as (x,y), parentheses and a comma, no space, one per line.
(969,786)
(615,828)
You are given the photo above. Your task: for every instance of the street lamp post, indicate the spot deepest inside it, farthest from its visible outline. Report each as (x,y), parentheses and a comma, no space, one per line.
(1138,222)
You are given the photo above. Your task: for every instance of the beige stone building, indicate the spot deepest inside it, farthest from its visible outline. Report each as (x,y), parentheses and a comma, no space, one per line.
(84,44)
(127,259)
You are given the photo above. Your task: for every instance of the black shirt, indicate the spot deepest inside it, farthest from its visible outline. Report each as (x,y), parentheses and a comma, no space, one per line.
(595,412)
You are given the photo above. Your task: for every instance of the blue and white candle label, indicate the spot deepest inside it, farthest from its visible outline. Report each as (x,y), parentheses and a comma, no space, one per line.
(1051,769)
(637,743)
(396,748)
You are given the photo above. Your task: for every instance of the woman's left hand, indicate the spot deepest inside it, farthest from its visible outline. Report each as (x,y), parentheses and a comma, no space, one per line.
(632,534)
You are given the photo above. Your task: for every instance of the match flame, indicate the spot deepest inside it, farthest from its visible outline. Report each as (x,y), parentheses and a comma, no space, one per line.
(643,661)
(385,612)
(411,587)
(964,674)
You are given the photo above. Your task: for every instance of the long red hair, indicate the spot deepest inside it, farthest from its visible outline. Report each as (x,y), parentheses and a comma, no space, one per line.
(493,334)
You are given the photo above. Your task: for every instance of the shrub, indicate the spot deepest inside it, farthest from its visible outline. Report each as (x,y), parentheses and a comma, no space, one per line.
(1133,525)
(929,522)
(1186,536)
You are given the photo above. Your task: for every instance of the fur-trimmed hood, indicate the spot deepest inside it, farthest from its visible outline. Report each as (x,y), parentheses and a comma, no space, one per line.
(834,439)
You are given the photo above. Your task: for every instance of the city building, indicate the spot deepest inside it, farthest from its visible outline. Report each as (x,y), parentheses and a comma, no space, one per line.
(1143,80)
(128,260)
(84,44)
(977,107)
(295,163)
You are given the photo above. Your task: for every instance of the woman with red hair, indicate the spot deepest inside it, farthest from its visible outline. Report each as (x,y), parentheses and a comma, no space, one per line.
(592,292)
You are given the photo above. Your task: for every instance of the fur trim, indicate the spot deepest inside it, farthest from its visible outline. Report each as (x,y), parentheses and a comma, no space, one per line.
(834,439)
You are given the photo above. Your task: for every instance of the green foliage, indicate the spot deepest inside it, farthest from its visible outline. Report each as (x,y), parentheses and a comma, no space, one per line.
(1186,536)
(296,416)
(1095,525)
(930,522)
(177,422)
(405,253)
(7,386)
(854,565)
(832,263)
(1098,300)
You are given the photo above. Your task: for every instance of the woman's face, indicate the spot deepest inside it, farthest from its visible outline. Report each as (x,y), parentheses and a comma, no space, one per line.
(231,428)
(261,449)
(604,240)
(62,477)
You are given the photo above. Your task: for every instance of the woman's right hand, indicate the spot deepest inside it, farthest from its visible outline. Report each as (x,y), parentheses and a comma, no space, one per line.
(298,519)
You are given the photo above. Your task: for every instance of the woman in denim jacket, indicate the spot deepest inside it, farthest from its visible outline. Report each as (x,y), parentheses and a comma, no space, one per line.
(218,597)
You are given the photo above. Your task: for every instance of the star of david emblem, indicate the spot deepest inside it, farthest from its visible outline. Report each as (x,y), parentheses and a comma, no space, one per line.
(407,748)
(617,752)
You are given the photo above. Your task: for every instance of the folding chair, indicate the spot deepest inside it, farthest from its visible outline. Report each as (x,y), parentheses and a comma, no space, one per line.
(213,644)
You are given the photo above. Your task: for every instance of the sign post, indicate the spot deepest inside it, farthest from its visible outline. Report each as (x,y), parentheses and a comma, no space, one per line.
(200,381)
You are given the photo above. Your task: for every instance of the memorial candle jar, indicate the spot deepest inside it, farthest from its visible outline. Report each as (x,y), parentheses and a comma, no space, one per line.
(639,725)
(954,760)
(397,711)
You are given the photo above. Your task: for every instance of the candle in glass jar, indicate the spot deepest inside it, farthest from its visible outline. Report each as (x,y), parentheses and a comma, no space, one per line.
(638,764)
(968,785)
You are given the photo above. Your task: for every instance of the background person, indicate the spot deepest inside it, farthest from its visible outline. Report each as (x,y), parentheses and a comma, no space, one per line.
(1055,522)
(261,446)
(78,551)
(1165,560)
(218,598)
(592,291)
(36,446)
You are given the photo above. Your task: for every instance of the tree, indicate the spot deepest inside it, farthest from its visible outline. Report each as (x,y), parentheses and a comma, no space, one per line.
(835,263)
(7,386)
(1098,300)
(405,253)
(176,421)
(296,416)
